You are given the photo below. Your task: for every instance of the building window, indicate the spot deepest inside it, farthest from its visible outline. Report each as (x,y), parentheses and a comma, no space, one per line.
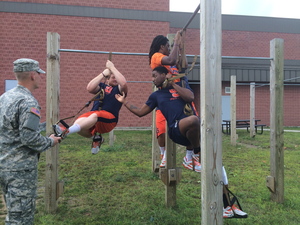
(227,90)
(10,84)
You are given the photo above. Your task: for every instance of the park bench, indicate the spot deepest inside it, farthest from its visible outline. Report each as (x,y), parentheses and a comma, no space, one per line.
(242,124)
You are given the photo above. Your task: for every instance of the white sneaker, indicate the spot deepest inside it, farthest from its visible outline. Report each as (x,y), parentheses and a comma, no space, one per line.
(192,165)
(233,212)
(239,213)
(97,141)
(95,150)
(196,157)
(227,212)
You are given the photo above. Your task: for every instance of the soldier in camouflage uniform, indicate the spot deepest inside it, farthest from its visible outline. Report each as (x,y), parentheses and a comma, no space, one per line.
(21,143)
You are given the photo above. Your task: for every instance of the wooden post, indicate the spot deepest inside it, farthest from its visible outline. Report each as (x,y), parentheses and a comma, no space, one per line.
(170,175)
(211,137)
(252,110)
(275,182)
(170,172)
(111,138)
(155,147)
(233,134)
(53,76)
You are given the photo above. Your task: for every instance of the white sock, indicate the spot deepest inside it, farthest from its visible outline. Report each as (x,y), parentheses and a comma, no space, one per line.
(224,176)
(189,154)
(162,150)
(164,157)
(75,128)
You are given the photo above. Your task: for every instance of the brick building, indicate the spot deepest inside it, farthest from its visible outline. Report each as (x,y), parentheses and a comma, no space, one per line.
(129,26)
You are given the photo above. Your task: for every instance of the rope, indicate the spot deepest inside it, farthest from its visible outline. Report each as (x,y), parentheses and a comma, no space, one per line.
(192,17)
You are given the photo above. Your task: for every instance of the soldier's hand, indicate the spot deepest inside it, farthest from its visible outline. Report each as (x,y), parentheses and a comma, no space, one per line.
(56,139)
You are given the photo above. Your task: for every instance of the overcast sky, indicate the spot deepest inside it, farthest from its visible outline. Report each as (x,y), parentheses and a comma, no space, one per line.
(269,8)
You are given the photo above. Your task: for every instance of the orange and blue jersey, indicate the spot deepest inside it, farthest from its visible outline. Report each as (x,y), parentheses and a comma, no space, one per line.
(156,61)
(168,101)
(171,106)
(109,103)
(107,110)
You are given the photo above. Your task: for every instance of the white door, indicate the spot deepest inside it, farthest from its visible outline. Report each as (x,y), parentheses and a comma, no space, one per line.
(10,84)
(225,107)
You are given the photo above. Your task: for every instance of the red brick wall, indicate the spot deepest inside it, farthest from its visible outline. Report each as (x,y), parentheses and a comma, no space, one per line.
(257,44)
(192,44)
(254,44)
(24,35)
(244,43)
(262,103)
(155,5)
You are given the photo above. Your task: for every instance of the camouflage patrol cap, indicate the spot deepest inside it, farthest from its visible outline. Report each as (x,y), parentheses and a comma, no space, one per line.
(26,65)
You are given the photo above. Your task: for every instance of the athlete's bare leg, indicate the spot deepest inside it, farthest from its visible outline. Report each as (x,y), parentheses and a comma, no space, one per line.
(86,123)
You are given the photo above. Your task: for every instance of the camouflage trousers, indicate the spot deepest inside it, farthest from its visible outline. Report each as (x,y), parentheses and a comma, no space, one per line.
(19,189)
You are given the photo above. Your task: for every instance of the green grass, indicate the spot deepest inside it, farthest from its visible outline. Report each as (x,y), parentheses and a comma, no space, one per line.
(117,186)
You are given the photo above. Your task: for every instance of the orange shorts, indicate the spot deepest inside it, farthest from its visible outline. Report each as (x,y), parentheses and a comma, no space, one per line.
(106,121)
(160,122)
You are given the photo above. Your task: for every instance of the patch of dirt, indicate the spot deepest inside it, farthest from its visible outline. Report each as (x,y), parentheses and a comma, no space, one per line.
(248,145)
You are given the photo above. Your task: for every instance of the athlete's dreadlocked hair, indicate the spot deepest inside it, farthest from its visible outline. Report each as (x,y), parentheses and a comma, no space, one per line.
(155,46)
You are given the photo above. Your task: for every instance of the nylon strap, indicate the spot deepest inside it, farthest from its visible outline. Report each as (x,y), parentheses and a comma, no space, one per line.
(101,91)
(233,200)
(193,64)
(180,74)
(86,105)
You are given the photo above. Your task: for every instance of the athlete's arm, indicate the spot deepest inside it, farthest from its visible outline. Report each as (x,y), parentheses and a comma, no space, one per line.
(93,85)
(144,110)
(172,58)
(186,94)
(122,83)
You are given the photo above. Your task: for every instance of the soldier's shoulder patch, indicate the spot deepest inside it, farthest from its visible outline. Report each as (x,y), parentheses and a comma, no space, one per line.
(35,111)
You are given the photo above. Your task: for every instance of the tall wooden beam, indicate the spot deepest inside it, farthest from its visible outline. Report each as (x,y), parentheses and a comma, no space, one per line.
(275,182)
(155,147)
(52,101)
(252,110)
(170,169)
(211,137)
(233,135)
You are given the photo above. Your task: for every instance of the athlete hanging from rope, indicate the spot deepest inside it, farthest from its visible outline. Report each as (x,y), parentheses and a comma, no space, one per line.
(175,62)
(104,114)
(160,55)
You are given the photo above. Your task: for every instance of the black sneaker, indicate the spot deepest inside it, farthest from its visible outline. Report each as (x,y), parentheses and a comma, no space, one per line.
(97,142)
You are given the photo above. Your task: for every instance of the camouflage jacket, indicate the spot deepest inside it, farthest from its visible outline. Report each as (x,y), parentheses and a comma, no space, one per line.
(20,138)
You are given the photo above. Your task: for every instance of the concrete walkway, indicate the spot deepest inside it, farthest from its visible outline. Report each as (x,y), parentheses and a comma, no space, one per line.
(295,131)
